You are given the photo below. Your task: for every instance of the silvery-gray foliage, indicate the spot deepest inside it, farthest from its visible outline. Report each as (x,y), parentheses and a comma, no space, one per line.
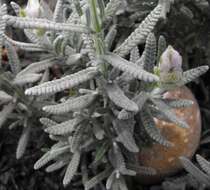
(101,101)
(201,175)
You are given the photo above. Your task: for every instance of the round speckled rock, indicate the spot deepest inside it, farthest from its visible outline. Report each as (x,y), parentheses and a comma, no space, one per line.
(166,160)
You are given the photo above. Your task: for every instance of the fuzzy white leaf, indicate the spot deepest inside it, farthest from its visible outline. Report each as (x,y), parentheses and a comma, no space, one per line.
(72,168)
(23,142)
(192,74)
(34,23)
(47,122)
(32,36)
(118,97)
(125,136)
(163,108)
(66,82)
(152,130)
(134,55)
(72,104)
(26,46)
(50,155)
(57,165)
(150,53)
(109,39)
(131,68)
(182,103)
(16,8)
(6,111)
(38,66)
(63,128)
(162,45)
(141,33)
(13,58)
(77,138)
(58,11)
(110,180)
(4,97)
(26,78)
(73,59)
(97,179)
(111,8)
(204,164)
(194,171)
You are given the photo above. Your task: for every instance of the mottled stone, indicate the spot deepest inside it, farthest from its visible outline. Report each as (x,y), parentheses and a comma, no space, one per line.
(166,160)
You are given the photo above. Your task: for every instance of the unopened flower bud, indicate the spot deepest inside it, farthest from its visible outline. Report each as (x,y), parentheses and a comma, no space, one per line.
(170,66)
(33,9)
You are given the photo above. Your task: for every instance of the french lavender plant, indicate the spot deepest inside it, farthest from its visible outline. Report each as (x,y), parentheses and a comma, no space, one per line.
(95,113)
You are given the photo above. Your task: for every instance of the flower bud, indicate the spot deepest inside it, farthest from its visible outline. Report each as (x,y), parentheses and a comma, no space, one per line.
(170,66)
(33,9)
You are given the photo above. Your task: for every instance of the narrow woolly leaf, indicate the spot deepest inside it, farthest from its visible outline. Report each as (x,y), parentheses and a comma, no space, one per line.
(58,11)
(76,139)
(98,178)
(110,180)
(205,165)
(72,104)
(89,46)
(111,8)
(118,161)
(142,170)
(57,165)
(51,155)
(45,76)
(66,82)
(116,158)
(26,46)
(33,38)
(124,115)
(141,33)
(175,103)
(131,68)
(16,8)
(125,135)
(13,58)
(63,128)
(134,55)
(194,171)
(72,168)
(27,78)
(23,142)
(166,110)
(100,152)
(119,98)
(150,53)
(122,184)
(34,23)
(47,122)
(6,111)
(109,39)
(78,7)
(38,66)
(152,130)
(47,12)
(73,58)
(162,45)
(192,74)
(140,100)
(4,97)
(3,11)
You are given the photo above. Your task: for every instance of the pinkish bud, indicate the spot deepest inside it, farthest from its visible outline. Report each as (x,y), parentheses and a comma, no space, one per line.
(170,66)
(33,9)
